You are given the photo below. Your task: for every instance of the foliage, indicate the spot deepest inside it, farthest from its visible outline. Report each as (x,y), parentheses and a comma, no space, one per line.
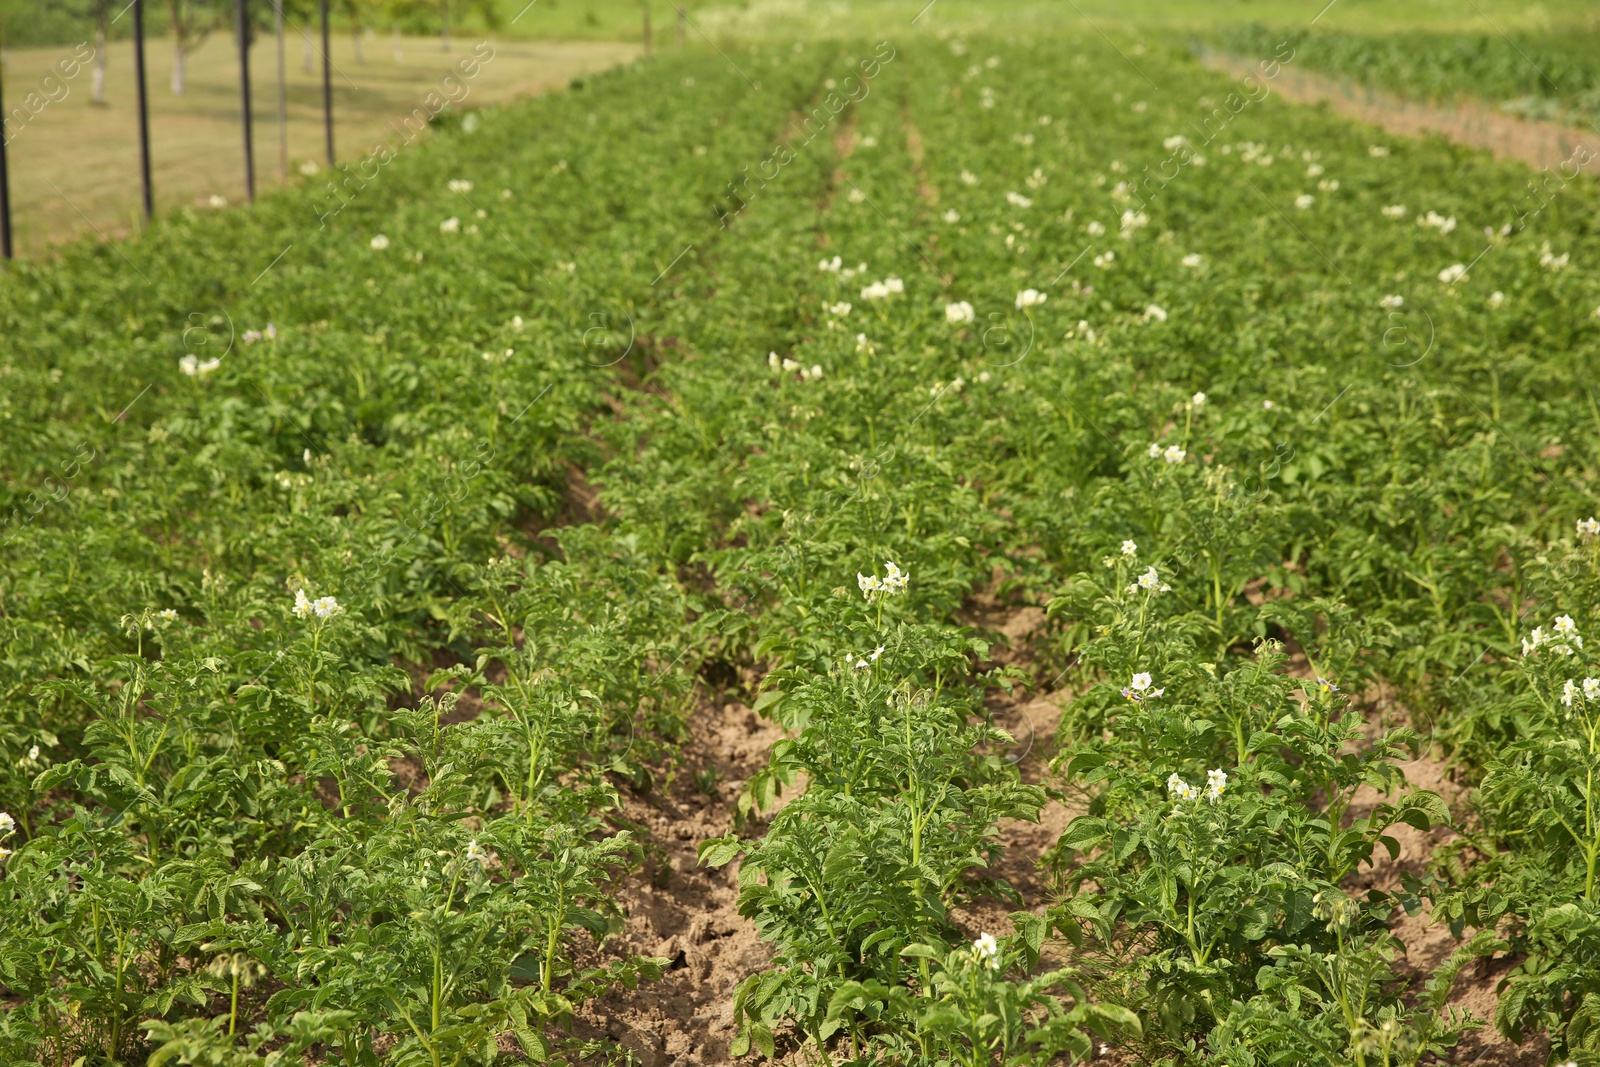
(329,660)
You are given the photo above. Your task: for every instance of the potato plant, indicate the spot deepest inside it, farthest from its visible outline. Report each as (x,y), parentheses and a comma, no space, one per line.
(345,607)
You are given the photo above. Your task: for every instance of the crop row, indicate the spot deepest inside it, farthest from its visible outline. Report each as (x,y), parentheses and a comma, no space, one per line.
(1257,437)
(1544,76)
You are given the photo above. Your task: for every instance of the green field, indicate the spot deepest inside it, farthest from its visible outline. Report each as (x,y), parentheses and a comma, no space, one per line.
(975,541)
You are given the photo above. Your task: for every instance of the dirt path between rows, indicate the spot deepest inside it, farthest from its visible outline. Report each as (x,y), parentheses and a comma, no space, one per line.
(683,912)
(1536,143)
(689,915)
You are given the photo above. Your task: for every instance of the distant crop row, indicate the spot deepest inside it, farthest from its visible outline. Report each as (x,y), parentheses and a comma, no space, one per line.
(1545,76)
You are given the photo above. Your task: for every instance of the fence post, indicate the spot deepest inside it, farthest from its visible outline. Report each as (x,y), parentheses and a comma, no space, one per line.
(283,105)
(5,177)
(645,7)
(244,100)
(327,86)
(148,198)
(681,19)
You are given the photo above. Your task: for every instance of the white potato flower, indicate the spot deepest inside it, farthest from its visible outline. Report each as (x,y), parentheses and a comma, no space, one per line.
(195,367)
(959,312)
(323,607)
(1030,298)
(1140,687)
(894,582)
(1552,262)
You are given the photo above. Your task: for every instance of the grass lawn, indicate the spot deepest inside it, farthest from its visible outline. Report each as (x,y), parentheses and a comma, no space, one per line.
(75,166)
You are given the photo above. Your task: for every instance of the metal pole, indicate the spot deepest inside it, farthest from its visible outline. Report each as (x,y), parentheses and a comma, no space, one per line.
(5,181)
(283,104)
(244,94)
(147,202)
(327,85)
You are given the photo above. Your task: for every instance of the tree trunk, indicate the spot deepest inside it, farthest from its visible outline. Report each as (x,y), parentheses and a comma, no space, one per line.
(399,52)
(307,54)
(97,88)
(361,57)
(180,56)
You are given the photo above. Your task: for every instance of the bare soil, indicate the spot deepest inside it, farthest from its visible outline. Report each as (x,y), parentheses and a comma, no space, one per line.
(683,912)
(689,915)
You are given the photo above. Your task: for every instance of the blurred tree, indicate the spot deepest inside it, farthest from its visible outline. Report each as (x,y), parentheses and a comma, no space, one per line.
(192,22)
(421,16)
(99,12)
(359,13)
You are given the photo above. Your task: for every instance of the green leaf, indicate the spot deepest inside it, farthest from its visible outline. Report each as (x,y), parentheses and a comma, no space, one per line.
(1083,833)
(717,851)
